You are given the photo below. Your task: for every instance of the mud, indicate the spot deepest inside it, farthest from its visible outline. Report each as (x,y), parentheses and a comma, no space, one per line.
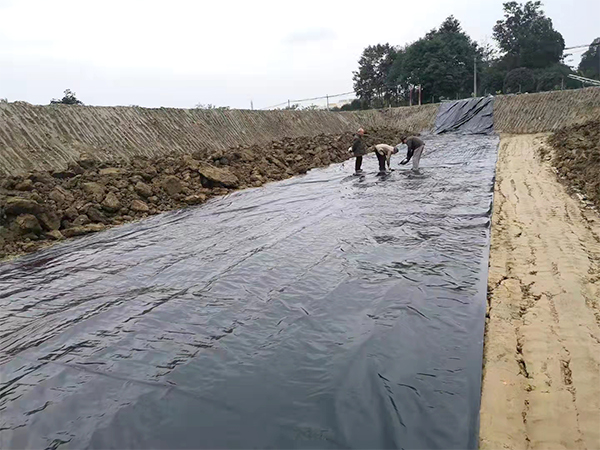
(42,207)
(541,382)
(576,157)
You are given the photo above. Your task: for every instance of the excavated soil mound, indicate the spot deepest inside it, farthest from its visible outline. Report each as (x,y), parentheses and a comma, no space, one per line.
(576,157)
(89,195)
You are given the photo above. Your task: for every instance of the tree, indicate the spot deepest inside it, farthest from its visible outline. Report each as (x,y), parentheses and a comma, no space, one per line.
(397,79)
(370,81)
(590,61)
(441,62)
(69,98)
(554,78)
(519,80)
(527,38)
(492,79)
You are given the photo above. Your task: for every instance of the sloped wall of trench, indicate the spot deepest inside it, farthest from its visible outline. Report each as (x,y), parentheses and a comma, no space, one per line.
(49,137)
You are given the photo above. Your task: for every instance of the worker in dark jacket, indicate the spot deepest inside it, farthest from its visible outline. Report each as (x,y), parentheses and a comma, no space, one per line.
(359,149)
(415,148)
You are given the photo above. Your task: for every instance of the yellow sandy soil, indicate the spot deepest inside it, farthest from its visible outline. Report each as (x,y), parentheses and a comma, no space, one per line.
(541,382)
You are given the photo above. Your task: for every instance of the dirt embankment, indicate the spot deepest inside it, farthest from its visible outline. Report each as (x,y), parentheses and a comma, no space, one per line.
(541,380)
(576,157)
(41,207)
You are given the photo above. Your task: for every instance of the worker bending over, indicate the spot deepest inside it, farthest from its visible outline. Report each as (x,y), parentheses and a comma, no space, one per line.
(414,150)
(384,154)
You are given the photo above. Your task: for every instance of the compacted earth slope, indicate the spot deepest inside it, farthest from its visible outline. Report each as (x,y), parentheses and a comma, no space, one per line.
(541,382)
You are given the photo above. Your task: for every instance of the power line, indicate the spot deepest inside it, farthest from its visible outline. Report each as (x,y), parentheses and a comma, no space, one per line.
(308,99)
(275,106)
(581,46)
(321,98)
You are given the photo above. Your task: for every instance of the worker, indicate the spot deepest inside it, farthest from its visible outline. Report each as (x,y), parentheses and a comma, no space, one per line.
(384,154)
(414,150)
(358,149)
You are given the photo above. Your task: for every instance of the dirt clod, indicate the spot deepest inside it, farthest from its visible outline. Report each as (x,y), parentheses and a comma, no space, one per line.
(139,206)
(143,189)
(577,158)
(28,223)
(111,202)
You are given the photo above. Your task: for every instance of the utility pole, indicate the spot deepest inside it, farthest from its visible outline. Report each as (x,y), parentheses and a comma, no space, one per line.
(327,96)
(251,105)
(289,104)
(474,76)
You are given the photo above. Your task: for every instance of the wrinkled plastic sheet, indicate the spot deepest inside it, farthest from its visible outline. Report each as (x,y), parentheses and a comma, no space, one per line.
(324,311)
(470,116)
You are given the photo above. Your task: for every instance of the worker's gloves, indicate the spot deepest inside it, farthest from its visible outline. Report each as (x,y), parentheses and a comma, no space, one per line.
(349,149)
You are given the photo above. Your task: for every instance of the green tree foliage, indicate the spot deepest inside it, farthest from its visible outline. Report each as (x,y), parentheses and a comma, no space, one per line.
(527,37)
(371,79)
(492,79)
(397,79)
(554,77)
(69,98)
(590,61)
(442,62)
(355,105)
(519,80)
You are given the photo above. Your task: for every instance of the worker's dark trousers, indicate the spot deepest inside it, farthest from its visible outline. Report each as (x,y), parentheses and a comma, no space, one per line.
(358,163)
(381,159)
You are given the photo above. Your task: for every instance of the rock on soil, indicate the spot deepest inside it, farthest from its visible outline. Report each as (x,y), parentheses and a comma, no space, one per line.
(139,206)
(17,205)
(89,195)
(111,202)
(213,176)
(143,189)
(28,223)
(172,185)
(576,157)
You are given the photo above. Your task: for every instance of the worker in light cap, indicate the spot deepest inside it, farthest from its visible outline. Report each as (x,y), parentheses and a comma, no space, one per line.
(359,149)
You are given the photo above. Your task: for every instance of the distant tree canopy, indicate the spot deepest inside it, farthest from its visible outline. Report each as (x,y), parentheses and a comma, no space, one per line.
(529,58)
(519,80)
(527,38)
(69,98)
(370,81)
(441,62)
(590,61)
(354,105)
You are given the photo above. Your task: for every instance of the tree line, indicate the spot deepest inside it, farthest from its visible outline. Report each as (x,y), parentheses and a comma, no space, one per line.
(529,57)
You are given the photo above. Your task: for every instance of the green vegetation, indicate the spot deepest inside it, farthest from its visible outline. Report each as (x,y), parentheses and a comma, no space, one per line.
(528,58)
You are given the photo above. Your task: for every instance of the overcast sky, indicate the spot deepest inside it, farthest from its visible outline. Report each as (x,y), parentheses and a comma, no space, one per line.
(178,53)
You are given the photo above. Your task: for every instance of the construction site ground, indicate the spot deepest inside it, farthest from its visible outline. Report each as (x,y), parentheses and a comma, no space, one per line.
(541,380)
